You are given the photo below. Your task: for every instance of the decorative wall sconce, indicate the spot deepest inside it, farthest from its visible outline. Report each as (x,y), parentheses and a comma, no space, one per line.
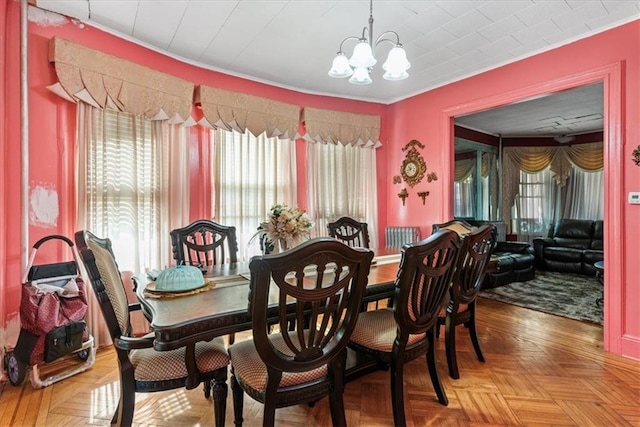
(403,195)
(423,195)
(431,176)
(397,179)
(636,156)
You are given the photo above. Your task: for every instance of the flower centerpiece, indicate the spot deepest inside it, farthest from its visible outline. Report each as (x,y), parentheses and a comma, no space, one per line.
(285,227)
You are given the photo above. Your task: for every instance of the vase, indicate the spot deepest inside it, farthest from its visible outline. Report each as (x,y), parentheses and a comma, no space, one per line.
(282,245)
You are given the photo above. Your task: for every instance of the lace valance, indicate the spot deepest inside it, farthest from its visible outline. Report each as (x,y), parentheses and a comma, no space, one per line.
(223,109)
(105,81)
(329,126)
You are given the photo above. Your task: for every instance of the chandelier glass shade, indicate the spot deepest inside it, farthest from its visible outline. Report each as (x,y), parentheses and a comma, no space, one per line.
(359,66)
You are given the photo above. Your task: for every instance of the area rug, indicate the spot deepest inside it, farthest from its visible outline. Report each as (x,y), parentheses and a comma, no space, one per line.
(563,294)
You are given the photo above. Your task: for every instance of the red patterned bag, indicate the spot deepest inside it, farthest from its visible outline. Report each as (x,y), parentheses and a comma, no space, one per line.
(42,312)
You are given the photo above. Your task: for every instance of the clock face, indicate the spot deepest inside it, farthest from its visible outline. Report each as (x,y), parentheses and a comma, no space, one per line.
(413,168)
(410,169)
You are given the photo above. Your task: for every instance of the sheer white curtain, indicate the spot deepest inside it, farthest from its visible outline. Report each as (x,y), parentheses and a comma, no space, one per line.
(132,187)
(541,202)
(536,206)
(464,197)
(585,195)
(341,181)
(249,175)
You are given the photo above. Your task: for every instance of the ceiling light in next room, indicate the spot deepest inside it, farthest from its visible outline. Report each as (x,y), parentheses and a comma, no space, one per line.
(564,139)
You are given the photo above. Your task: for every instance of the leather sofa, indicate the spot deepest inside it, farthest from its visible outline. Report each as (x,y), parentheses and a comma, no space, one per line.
(573,246)
(510,261)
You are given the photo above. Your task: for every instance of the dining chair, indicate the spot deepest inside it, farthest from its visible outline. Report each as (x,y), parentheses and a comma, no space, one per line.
(142,368)
(397,335)
(460,226)
(471,267)
(313,294)
(204,243)
(349,231)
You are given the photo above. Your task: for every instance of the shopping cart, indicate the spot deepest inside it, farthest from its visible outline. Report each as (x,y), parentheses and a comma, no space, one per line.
(52,311)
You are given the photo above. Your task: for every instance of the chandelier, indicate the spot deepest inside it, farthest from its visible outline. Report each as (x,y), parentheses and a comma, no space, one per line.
(359,66)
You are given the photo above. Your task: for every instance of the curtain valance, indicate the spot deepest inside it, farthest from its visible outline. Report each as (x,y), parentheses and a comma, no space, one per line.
(329,126)
(589,157)
(105,81)
(463,168)
(238,111)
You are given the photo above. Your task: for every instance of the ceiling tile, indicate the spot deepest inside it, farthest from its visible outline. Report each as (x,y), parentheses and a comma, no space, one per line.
(468,43)
(502,28)
(119,16)
(77,9)
(157,21)
(542,11)
(538,31)
(499,10)
(199,26)
(467,24)
(577,17)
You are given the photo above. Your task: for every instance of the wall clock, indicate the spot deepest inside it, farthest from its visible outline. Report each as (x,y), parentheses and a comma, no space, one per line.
(413,166)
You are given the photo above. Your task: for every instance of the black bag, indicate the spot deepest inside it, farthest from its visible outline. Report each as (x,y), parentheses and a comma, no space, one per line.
(63,340)
(59,269)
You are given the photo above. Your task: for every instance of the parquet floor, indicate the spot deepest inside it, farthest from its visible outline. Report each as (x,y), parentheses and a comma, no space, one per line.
(541,370)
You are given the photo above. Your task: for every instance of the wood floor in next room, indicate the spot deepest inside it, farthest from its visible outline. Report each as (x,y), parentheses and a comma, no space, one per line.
(541,370)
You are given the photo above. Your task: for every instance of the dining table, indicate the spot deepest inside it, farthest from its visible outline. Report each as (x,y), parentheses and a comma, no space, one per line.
(221,307)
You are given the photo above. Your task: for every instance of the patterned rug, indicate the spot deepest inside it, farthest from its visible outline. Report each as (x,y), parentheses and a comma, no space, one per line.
(563,294)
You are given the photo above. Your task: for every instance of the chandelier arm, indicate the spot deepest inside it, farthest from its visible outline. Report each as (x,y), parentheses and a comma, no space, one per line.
(347,39)
(381,38)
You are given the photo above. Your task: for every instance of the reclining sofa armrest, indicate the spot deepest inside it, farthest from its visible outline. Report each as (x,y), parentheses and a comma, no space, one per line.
(517,247)
(539,243)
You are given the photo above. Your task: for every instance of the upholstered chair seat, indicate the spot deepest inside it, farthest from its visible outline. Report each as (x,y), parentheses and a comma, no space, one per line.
(377,329)
(461,309)
(152,366)
(469,275)
(398,335)
(251,372)
(304,304)
(142,367)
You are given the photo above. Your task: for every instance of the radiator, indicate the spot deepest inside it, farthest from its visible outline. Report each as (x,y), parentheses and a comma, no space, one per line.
(398,236)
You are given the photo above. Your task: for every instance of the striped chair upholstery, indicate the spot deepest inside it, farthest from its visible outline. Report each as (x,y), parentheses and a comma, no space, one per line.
(143,369)
(303,303)
(399,335)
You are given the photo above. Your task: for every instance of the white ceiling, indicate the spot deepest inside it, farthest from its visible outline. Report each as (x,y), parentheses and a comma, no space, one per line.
(571,112)
(291,43)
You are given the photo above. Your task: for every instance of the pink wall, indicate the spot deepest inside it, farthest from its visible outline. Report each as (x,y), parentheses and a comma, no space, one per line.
(611,57)
(52,130)
(426,117)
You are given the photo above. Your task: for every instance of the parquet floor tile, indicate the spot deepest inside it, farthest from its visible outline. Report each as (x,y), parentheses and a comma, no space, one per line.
(541,370)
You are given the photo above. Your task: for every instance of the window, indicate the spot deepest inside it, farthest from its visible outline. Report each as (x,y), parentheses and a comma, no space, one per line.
(464,198)
(536,205)
(127,195)
(250,174)
(342,181)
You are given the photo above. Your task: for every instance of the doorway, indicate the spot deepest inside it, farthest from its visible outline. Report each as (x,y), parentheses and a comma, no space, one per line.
(611,78)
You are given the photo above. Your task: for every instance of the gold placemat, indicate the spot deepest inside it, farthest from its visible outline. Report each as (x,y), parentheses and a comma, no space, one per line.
(159,294)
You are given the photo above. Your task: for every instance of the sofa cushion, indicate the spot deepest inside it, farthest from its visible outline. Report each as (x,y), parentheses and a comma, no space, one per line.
(574,229)
(564,267)
(563,254)
(572,243)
